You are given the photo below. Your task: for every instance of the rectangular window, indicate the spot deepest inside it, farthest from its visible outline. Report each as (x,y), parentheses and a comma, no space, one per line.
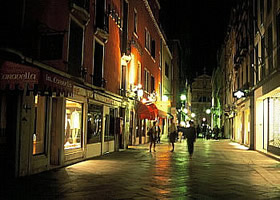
(135,21)
(274,122)
(262,11)
(146,77)
(147,40)
(256,16)
(166,70)
(73,125)
(278,39)
(124,35)
(101,19)
(39,134)
(152,83)
(256,66)
(75,49)
(94,124)
(270,48)
(139,73)
(262,61)
(51,46)
(268,6)
(110,125)
(98,64)
(123,80)
(153,49)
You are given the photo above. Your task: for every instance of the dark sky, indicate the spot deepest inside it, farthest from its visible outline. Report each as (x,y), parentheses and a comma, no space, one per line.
(200,25)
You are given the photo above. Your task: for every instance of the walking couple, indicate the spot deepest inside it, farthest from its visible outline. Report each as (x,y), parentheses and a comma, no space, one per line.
(190,134)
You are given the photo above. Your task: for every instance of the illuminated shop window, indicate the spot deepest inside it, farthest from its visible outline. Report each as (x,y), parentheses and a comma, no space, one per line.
(110,125)
(274,122)
(73,125)
(94,124)
(39,134)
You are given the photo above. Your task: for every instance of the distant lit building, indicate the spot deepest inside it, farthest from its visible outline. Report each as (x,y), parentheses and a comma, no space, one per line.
(201,99)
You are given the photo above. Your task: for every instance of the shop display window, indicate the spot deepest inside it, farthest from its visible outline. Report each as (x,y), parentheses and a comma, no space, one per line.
(110,125)
(73,125)
(274,122)
(94,124)
(39,134)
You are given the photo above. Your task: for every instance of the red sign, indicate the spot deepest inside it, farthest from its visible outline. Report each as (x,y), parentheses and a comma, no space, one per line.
(13,74)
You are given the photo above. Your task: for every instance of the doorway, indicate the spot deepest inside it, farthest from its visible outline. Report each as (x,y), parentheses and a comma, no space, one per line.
(56,125)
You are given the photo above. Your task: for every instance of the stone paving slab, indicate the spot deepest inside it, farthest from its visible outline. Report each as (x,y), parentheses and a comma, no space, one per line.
(218,170)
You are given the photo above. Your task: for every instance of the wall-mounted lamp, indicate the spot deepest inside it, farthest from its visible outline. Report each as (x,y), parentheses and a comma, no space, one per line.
(239,94)
(125,59)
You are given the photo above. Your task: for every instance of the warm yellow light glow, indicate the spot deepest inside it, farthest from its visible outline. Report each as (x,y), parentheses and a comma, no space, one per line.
(140,93)
(185,110)
(183,97)
(164,98)
(182,123)
(132,70)
(193,115)
(125,59)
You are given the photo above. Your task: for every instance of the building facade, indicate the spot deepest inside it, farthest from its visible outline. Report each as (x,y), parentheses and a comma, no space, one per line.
(201,100)
(78,79)
(252,75)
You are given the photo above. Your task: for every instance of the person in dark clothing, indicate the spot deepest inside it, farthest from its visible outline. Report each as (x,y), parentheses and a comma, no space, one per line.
(197,130)
(158,133)
(153,136)
(191,137)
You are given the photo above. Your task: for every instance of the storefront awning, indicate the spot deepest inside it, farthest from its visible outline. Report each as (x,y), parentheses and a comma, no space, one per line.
(55,83)
(147,111)
(16,76)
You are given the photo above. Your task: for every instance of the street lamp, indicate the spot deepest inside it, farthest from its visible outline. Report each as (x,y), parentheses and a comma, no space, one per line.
(183,97)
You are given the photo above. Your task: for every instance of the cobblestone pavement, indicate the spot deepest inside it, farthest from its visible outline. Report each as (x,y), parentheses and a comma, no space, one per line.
(218,170)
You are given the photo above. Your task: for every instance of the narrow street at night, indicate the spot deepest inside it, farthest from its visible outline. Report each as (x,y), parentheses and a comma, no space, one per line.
(219,170)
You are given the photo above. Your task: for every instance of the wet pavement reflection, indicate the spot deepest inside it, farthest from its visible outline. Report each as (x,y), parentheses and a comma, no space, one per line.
(218,170)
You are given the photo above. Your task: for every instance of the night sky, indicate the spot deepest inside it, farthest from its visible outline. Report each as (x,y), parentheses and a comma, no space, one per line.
(200,25)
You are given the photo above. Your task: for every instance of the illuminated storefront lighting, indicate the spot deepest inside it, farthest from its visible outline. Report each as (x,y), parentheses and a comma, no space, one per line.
(164,98)
(239,94)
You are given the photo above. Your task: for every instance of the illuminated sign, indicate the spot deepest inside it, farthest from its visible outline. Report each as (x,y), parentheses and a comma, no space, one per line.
(239,94)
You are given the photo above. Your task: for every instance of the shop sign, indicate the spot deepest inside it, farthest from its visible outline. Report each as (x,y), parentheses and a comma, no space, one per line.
(82,92)
(53,82)
(13,73)
(106,100)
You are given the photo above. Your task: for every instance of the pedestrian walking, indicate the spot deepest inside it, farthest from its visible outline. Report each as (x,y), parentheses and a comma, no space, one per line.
(191,137)
(158,131)
(172,133)
(153,136)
